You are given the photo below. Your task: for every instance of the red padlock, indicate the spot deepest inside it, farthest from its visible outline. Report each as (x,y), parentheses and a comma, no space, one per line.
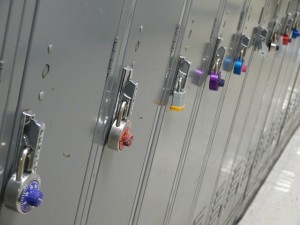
(286,39)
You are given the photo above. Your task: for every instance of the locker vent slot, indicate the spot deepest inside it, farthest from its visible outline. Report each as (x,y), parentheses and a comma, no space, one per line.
(200,217)
(247,166)
(217,205)
(234,183)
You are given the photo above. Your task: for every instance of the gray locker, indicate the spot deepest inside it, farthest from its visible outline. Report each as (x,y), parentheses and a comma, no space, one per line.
(15,38)
(246,115)
(62,83)
(231,167)
(274,112)
(260,103)
(206,204)
(151,49)
(171,146)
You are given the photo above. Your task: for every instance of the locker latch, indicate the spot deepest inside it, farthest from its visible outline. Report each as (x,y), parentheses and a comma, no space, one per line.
(179,92)
(288,23)
(120,135)
(23,190)
(259,38)
(215,78)
(273,36)
(239,65)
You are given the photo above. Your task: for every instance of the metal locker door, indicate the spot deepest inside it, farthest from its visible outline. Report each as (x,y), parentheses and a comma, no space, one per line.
(290,122)
(268,71)
(117,177)
(204,126)
(16,34)
(231,166)
(64,76)
(237,54)
(190,159)
(265,126)
(266,104)
(169,158)
(291,66)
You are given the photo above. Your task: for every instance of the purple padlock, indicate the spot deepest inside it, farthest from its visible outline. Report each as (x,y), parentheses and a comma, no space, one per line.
(215,81)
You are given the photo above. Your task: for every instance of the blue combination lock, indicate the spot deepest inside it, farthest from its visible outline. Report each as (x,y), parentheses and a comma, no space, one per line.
(295,33)
(238,66)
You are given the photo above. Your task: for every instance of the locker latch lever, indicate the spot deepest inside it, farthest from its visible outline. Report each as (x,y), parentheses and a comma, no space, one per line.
(179,92)
(120,135)
(22,192)
(259,38)
(215,78)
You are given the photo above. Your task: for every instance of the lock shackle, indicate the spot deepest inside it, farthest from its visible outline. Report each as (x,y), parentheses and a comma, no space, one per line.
(217,64)
(122,111)
(242,52)
(21,163)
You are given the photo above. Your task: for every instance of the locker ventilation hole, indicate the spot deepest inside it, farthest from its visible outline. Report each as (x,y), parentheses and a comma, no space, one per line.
(217,205)
(234,183)
(200,217)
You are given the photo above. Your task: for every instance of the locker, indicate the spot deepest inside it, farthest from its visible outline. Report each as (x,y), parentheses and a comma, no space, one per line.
(223,195)
(151,49)
(231,167)
(257,80)
(258,107)
(169,155)
(290,122)
(63,78)
(281,86)
(15,36)
(206,206)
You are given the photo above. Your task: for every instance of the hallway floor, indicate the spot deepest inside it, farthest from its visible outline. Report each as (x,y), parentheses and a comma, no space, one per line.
(278,201)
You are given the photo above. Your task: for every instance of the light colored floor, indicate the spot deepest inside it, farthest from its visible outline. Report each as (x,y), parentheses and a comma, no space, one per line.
(278,201)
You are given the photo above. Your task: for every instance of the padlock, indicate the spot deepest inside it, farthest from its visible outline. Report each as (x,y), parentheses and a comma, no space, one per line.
(286,39)
(273,44)
(295,33)
(120,135)
(23,190)
(239,66)
(179,93)
(215,81)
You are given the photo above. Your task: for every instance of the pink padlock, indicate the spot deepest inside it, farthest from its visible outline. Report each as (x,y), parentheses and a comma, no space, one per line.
(244,68)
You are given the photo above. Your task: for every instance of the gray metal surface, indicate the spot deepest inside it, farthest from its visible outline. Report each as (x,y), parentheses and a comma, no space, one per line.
(202,166)
(272,104)
(245,118)
(82,36)
(172,144)
(205,201)
(120,177)
(13,54)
